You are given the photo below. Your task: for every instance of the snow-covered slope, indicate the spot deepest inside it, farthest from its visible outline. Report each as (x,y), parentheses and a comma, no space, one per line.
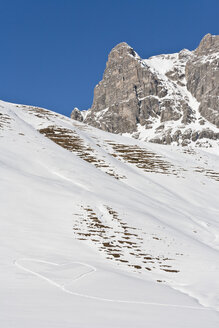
(101,230)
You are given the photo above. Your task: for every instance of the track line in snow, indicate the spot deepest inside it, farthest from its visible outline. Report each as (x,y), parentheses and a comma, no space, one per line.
(92,270)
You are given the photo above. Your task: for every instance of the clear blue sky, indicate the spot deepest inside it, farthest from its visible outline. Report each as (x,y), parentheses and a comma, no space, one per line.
(53,52)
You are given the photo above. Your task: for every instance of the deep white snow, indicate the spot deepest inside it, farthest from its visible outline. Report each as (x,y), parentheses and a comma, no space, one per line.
(163,218)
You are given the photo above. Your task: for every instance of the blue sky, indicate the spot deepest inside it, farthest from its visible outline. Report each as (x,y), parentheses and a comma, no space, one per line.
(53,52)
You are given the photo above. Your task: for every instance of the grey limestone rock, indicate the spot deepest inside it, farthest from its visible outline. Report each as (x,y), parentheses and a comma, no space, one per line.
(125,95)
(164,90)
(202,74)
(76,115)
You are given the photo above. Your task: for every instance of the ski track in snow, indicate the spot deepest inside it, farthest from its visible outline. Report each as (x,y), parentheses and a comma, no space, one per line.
(92,270)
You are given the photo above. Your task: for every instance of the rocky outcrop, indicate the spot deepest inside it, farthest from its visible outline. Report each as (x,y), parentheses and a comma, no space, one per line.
(202,75)
(77,115)
(159,99)
(119,102)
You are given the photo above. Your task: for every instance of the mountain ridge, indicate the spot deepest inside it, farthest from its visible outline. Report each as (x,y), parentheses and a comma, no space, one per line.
(164,99)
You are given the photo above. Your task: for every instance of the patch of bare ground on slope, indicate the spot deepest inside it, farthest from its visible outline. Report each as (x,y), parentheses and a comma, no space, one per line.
(118,241)
(208,173)
(38,112)
(4,121)
(71,141)
(144,159)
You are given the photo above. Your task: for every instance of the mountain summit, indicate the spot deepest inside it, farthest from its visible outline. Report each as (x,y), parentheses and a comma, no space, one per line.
(171,98)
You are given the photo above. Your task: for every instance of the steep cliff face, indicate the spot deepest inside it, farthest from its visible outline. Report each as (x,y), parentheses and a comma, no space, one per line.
(202,75)
(163,99)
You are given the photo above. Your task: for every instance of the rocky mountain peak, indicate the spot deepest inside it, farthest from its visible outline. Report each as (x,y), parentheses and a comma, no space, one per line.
(121,50)
(185,54)
(164,99)
(77,115)
(209,44)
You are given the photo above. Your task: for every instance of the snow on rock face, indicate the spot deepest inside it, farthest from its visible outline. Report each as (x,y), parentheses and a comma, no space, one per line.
(77,115)
(100,230)
(202,74)
(161,98)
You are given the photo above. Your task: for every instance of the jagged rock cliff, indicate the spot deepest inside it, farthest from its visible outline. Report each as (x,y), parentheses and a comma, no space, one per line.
(202,75)
(163,99)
